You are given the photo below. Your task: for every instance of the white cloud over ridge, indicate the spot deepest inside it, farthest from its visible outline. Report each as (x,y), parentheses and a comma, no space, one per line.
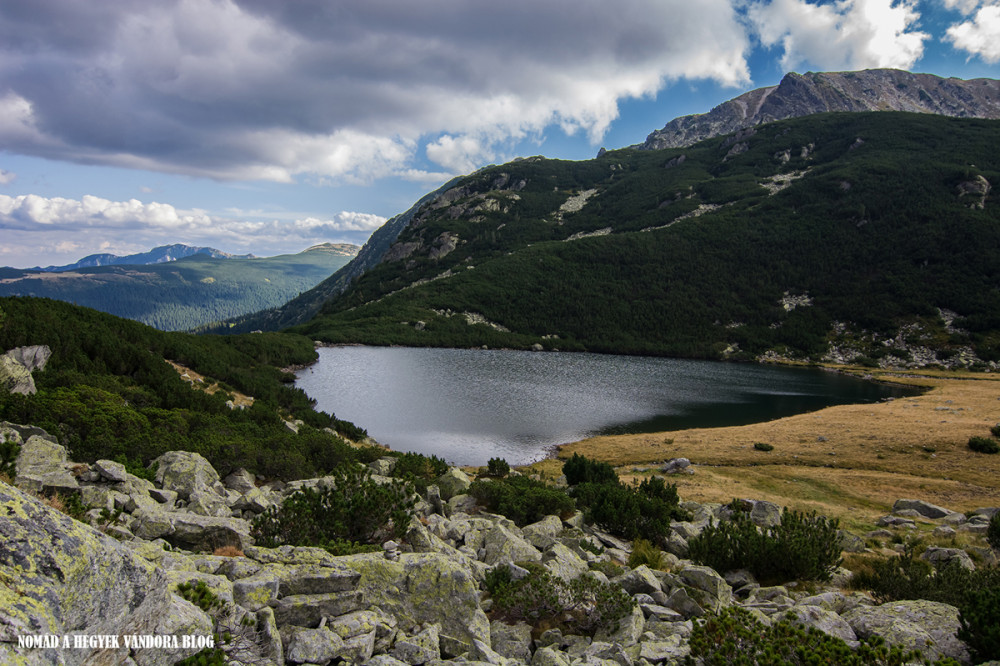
(979,36)
(842,35)
(27,219)
(254,89)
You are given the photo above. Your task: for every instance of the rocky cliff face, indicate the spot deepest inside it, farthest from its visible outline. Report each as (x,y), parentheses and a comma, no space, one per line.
(820,92)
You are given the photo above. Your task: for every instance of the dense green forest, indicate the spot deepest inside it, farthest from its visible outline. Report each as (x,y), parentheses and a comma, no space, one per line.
(187,293)
(108,392)
(871,224)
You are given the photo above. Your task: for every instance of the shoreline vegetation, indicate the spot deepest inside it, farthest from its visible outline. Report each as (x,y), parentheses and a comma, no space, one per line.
(846,461)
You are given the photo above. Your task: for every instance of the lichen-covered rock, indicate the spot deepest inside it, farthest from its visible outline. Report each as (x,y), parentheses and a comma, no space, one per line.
(61,576)
(502,546)
(822,619)
(453,482)
(14,377)
(547,656)
(512,641)
(256,591)
(419,649)
(928,626)
(925,509)
(42,467)
(185,472)
(564,563)
(313,646)
(191,531)
(639,581)
(715,592)
(942,556)
(307,610)
(364,622)
(422,588)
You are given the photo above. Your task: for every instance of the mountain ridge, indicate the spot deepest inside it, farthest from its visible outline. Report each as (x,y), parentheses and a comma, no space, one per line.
(821,92)
(158,255)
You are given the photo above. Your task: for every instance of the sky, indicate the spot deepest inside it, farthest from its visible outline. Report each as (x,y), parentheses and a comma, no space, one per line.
(268,126)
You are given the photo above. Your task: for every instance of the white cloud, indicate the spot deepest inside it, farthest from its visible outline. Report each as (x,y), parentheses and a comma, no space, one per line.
(844,35)
(40,226)
(254,89)
(979,36)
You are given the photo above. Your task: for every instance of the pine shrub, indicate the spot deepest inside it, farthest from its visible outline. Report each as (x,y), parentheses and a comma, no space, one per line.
(497,468)
(984,445)
(641,510)
(521,499)
(802,547)
(584,605)
(993,531)
(763,446)
(734,637)
(980,619)
(354,509)
(418,469)
(580,469)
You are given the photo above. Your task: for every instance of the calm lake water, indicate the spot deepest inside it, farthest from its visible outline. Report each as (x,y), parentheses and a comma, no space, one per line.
(468,406)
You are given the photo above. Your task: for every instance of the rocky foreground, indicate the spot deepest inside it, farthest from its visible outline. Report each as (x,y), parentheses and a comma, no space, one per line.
(119,580)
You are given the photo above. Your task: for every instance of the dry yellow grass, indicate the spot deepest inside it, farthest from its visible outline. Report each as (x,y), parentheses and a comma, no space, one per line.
(848,461)
(199,382)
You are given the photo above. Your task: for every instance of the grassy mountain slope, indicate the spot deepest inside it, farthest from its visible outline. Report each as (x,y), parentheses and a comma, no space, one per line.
(840,234)
(186,293)
(108,392)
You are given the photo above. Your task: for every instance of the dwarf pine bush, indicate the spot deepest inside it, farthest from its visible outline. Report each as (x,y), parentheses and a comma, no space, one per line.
(584,605)
(521,499)
(580,469)
(353,509)
(802,547)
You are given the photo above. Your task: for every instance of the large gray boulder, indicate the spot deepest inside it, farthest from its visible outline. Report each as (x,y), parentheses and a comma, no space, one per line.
(422,589)
(452,483)
(61,576)
(191,531)
(185,472)
(42,467)
(16,367)
(822,619)
(928,626)
(925,509)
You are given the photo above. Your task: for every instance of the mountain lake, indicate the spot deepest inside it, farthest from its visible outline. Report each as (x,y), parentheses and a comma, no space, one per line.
(470,405)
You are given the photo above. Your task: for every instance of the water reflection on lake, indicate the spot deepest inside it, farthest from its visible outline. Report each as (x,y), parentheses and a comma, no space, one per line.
(468,405)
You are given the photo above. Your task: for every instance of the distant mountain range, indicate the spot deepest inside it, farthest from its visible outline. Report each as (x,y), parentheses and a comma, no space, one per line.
(157,255)
(178,287)
(821,92)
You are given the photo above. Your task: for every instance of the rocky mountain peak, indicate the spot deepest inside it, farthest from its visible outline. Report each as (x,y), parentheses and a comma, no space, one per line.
(820,92)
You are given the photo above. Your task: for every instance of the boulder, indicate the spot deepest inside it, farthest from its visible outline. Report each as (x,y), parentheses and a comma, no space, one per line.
(928,626)
(548,656)
(361,623)
(185,472)
(422,588)
(564,563)
(453,482)
(241,480)
(32,358)
(639,581)
(191,531)
(942,556)
(256,591)
(502,545)
(111,471)
(42,467)
(14,377)
(511,641)
(712,591)
(313,646)
(823,619)
(765,514)
(925,509)
(419,649)
(61,576)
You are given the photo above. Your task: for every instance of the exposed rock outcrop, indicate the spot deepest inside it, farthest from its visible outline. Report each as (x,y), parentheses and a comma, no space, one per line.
(820,92)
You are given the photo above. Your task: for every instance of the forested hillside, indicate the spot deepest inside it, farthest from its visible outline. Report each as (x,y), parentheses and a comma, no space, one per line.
(848,236)
(108,392)
(187,293)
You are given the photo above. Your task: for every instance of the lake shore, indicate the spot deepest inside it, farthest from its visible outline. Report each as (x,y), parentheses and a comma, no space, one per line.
(847,461)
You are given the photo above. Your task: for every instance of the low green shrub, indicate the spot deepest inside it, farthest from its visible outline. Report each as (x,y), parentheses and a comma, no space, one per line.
(995,430)
(993,531)
(200,595)
(763,446)
(984,445)
(136,468)
(802,547)
(584,605)
(497,468)
(418,469)
(980,618)
(354,509)
(641,510)
(734,637)
(580,469)
(521,499)
(644,552)
(9,451)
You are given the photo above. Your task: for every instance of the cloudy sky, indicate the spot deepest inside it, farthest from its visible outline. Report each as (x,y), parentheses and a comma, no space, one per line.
(266,126)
